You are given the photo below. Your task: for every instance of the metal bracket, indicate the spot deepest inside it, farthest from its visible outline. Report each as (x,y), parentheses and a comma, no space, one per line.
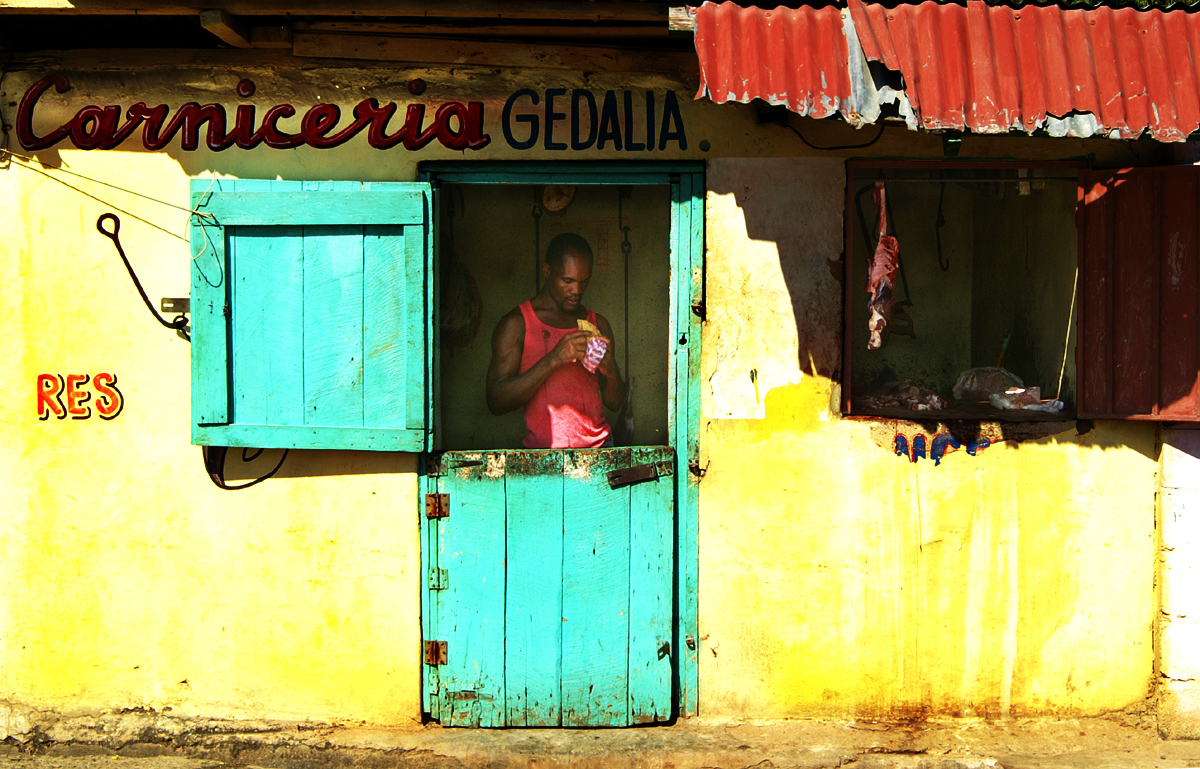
(439,579)
(435,652)
(640,473)
(437,505)
(175,304)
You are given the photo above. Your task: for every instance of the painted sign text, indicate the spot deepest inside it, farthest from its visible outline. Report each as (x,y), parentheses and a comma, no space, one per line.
(553,119)
(71,396)
(580,121)
(455,125)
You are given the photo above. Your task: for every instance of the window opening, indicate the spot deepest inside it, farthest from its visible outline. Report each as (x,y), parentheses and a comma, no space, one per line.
(975,318)
(494,237)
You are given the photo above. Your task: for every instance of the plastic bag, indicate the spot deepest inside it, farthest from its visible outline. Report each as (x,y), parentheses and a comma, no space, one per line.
(1024,399)
(979,384)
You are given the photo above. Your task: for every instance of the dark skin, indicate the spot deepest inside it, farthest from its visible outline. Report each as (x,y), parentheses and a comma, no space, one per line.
(559,305)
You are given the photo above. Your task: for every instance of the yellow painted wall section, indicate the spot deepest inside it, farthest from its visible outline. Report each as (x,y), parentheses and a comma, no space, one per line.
(1018,581)
(132,581)
(850,582)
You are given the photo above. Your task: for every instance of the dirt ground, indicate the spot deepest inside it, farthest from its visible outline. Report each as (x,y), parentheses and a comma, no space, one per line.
(1123,741)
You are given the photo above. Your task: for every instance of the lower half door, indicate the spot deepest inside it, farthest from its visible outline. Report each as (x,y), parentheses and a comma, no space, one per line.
(551,590)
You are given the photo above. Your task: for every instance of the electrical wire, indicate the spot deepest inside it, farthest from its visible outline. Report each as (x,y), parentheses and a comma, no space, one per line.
(27,159)
(809,144)
(27,163)
(214,465)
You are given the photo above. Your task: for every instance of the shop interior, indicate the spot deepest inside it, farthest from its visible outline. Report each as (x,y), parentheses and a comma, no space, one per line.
(985,280)
(492,242)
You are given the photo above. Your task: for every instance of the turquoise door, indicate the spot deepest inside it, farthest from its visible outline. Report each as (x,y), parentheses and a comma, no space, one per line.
(559,586)
(551,589)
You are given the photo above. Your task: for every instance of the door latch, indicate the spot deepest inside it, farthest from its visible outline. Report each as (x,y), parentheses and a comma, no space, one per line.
(639,473)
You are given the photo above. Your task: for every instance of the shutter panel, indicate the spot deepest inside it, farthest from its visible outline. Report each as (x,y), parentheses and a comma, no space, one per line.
(313,315)
(1139,318)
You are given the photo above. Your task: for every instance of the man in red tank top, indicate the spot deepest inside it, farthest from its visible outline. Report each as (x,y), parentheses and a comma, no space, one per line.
(537,358)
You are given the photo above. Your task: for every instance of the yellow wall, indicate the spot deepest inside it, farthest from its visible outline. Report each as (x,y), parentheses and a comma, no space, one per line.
(849,583)
(1018,581)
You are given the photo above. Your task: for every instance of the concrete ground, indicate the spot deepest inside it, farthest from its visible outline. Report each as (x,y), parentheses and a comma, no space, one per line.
(960,744)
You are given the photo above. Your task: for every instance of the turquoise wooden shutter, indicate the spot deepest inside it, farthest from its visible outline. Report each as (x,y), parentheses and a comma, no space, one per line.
(310,315)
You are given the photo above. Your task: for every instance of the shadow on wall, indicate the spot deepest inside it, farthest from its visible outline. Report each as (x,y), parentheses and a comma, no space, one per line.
(793,207)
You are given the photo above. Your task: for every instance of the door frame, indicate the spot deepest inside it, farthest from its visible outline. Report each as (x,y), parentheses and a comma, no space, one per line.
(686,181)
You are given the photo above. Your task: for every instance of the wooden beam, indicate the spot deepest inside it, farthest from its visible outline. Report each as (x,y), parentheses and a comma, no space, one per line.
(683,76)
(418,50)
(227,28)
(271,37)
(523,31)
(599,10)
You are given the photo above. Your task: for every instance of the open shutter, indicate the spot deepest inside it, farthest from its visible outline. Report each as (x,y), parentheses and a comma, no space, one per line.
(310,316)
(1139,315)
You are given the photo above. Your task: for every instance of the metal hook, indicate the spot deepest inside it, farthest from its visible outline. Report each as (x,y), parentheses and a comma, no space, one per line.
(116,230)
(179,324)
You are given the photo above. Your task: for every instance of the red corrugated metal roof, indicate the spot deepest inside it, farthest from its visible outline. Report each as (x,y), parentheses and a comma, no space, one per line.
(989,69)
(792,57)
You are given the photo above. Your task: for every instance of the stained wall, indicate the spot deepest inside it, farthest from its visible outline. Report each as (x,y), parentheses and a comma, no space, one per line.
(836,579)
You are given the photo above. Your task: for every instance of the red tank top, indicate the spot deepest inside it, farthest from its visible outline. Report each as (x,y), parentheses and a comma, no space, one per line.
(566,412)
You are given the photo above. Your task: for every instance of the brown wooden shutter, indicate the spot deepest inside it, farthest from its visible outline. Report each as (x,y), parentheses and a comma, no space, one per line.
(1139,311)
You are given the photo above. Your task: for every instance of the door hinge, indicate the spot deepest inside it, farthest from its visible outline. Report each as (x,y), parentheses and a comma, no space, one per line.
(435,652)
(438,579)
(647,472)
(437,505)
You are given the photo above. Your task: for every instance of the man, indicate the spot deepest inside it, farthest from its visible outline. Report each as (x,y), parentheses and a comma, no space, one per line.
(537,358)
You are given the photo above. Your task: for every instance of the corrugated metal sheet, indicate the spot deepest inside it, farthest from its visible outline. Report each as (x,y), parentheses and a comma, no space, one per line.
(1139,314)
(987,69)
(791,57)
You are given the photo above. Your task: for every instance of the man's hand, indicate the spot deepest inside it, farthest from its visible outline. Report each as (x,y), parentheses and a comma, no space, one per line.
(608,364)
(569,349)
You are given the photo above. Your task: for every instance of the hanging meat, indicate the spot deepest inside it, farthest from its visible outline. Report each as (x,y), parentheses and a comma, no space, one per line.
(881,274)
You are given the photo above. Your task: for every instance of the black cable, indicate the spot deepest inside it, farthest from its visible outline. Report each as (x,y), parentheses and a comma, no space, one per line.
(214,465)
(180,322)
(809,144)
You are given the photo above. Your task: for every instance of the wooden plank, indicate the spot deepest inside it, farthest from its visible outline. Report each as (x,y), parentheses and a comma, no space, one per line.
(430,678)
(318,208)
(534,618)
(687,484)
(472,549)
(388,331)
(423,50)
(1135,298)
(521,30)
(267,279)
(415,342)
(271,37)
(495,9)
(210,340)
(1179,330)
(595,640)
(651,590)
(226,28)
(308,437)
(333,320)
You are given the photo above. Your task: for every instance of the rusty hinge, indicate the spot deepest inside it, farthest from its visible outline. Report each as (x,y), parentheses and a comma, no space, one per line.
(438,579)
(647,472)
(435,652)
(437,505)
